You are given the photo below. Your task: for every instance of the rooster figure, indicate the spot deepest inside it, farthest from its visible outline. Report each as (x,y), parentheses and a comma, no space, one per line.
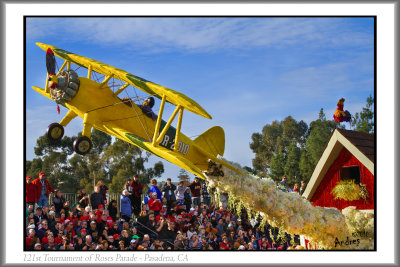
(341,115)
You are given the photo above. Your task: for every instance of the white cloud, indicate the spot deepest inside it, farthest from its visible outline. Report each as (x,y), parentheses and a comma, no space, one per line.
(201,34)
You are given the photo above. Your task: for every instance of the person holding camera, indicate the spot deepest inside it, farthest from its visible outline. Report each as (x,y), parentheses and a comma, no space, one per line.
(155,204)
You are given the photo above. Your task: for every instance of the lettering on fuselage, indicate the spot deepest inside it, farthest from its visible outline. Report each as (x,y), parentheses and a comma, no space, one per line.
(169,143)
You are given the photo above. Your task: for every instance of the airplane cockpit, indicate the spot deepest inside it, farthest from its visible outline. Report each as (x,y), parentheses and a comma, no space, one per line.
(146,106)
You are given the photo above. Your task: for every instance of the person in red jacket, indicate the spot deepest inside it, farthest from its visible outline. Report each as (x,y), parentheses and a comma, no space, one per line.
(43,188)
(30,192)
(136,195)
(155,204)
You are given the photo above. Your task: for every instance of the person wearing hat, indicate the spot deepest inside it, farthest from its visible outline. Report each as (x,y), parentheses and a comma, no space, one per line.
(136,195)
(133,244)
(116,238)
(92,227)
(163,213)
(43,188)
(155,204)
(147,106)
(30,192)
(126,207)
(38,246)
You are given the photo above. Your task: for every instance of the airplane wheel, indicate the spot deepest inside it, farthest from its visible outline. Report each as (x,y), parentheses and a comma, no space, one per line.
(82,145)
(55,131)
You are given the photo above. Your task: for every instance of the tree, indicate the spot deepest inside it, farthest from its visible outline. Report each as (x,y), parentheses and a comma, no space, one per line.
(277,165)
(34,167)
(306,165)
(275,138)
(364,121)
(320,131)
(291,167)
(131,159)
(52,159)
(119,180)
(184,176)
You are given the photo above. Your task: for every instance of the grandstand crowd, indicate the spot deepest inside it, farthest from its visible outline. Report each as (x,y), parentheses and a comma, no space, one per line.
(166,217)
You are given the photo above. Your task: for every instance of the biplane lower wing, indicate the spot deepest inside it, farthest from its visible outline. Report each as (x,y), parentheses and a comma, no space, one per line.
(166,154)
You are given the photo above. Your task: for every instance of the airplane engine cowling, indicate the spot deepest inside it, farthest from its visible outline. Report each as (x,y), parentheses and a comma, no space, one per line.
(67,88)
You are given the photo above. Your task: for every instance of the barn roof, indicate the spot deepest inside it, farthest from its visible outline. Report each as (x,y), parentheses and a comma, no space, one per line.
(363,141)
(361,145)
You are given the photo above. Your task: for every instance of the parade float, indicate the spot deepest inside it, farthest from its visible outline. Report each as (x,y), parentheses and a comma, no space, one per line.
(327,226)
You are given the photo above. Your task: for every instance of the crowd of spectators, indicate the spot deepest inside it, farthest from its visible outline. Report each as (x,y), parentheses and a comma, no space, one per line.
(167,218)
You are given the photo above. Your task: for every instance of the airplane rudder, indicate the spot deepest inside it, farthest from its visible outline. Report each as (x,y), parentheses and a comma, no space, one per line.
(212,140)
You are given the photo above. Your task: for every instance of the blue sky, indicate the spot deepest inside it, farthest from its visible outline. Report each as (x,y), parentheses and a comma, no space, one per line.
(245,72)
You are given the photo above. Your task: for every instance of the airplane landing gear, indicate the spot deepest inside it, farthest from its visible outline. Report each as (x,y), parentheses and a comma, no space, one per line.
(55,132)
(82,145)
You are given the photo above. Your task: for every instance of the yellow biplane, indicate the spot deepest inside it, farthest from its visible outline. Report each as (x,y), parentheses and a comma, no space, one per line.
(101,108)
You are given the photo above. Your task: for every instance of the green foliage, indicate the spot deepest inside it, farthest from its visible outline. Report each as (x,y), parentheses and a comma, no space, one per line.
(271,145)
(119,181)
(291,148)
(364,121)
(184,176)
(320,132)
(277,166)
(34,167)
(306,166)
(292,163)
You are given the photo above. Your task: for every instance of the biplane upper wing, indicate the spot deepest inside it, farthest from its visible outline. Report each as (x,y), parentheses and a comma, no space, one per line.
(151,88)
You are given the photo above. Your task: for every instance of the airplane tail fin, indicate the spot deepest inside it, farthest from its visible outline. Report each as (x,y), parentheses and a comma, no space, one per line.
(212,140)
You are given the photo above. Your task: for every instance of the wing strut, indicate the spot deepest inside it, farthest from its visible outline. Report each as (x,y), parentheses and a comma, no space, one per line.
(106,79)
(62,67)
(159,119)
(89,72)
(121,89)
(178,128)
(171,119)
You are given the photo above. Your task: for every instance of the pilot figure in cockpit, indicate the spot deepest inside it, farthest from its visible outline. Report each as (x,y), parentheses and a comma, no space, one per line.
(147,106)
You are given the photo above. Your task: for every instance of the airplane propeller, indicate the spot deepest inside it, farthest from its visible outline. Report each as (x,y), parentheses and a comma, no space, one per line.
(51,68)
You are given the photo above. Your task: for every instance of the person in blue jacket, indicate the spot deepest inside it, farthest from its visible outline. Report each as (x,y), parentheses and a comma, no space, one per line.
(126,208)
(154,188)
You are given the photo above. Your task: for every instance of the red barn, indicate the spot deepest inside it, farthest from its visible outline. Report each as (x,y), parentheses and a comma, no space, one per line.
(347,155)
